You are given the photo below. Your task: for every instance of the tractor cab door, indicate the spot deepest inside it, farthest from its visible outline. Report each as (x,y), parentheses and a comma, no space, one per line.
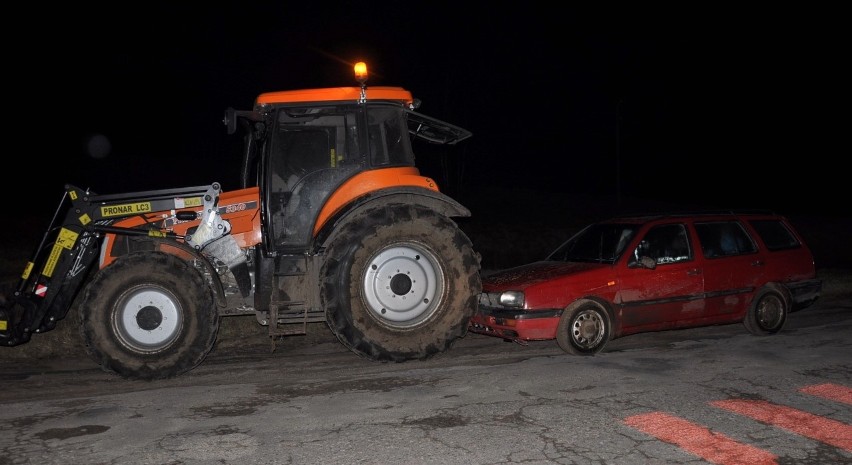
(310,152)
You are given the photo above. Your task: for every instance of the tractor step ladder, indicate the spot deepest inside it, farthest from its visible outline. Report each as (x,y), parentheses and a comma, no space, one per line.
(289,317)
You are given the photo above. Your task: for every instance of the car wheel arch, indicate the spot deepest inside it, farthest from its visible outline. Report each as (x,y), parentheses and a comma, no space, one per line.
(778,287)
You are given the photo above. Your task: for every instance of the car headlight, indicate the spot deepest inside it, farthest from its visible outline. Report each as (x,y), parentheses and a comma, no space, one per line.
(512,299)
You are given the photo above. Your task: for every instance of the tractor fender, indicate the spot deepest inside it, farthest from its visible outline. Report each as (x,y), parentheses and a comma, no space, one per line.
(183,251)
(410,195)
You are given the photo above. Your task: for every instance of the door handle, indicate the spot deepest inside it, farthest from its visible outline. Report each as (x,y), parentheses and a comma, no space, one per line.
(693,272)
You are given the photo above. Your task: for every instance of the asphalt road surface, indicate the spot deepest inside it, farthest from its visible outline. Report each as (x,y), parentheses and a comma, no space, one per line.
(709,395)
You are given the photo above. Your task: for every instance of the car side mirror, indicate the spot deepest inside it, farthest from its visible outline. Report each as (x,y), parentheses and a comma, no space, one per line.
(648,262)
(643,262)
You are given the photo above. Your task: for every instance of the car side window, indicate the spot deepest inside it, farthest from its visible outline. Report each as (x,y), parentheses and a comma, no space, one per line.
(667,243)
(775,234)
(724,239)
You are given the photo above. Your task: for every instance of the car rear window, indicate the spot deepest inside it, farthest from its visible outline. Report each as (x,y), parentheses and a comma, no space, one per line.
(724,239)
(775,234)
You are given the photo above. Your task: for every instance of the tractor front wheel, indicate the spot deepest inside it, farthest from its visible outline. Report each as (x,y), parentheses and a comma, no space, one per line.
(148,315)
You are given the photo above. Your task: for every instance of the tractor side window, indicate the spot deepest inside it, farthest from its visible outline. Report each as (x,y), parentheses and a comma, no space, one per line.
(388,132)
(298,152)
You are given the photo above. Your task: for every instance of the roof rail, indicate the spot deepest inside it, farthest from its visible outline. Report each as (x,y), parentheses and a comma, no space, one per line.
(680,213)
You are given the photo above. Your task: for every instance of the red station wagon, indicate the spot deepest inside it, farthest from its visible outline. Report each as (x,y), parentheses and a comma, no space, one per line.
(640,274)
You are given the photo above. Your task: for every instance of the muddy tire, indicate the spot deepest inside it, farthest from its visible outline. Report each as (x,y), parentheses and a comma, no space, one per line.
(148,316)
(768,312)
(584,328)
(400,283)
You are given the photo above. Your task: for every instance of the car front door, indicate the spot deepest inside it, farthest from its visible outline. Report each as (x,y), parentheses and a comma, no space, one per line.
(667,290)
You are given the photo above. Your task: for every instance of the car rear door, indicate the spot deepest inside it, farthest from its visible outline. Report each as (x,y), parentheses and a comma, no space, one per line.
(733,267)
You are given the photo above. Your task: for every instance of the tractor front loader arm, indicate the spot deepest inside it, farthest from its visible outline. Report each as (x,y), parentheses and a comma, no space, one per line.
(70,247)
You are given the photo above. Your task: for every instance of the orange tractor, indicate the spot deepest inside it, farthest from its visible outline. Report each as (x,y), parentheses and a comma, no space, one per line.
(333,222)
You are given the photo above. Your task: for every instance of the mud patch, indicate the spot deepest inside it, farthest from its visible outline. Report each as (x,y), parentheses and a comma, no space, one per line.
(224,444)
(439,421)
(73,403)
(236,409)
(836,372)
(223,411)
(26,422)
(367,385)
(737,394)
(516,418)
(66,433)
(387,384)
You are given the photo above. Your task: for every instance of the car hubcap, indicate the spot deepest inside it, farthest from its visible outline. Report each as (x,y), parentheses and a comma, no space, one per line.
(588,329)
(769,313)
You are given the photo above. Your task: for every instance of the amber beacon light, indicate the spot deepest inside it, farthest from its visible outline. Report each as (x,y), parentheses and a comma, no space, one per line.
(361,72)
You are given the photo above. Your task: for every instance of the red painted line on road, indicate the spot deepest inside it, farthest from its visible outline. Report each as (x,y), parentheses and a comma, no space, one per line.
(698,440)
(812,426)
(830,391)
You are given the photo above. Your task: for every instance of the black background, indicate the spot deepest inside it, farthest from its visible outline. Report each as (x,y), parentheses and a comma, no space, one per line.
(716,106)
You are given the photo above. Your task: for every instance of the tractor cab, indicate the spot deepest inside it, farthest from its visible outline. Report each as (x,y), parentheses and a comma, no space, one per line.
(313,152)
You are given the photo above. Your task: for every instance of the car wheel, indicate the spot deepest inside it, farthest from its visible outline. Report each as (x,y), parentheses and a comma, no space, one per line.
(767,313)
(584,328)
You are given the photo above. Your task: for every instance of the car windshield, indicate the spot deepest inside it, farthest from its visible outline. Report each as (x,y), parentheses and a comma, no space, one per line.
(597,243)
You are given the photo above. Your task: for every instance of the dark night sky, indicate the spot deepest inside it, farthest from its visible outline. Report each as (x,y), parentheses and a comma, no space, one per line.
(723,107)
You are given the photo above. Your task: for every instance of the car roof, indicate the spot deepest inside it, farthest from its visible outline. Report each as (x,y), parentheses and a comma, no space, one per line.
(640,218)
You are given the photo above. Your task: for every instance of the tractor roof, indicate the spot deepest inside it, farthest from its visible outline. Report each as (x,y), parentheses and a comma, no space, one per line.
(336,94)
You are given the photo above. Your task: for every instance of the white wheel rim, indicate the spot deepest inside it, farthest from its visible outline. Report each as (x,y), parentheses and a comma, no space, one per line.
(148,319)
(403,285)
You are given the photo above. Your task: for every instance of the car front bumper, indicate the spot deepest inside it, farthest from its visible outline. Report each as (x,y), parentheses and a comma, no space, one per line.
(523,325)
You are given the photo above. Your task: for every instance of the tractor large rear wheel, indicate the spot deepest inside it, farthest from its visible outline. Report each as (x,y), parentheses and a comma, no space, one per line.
(148,316)
(400,283)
